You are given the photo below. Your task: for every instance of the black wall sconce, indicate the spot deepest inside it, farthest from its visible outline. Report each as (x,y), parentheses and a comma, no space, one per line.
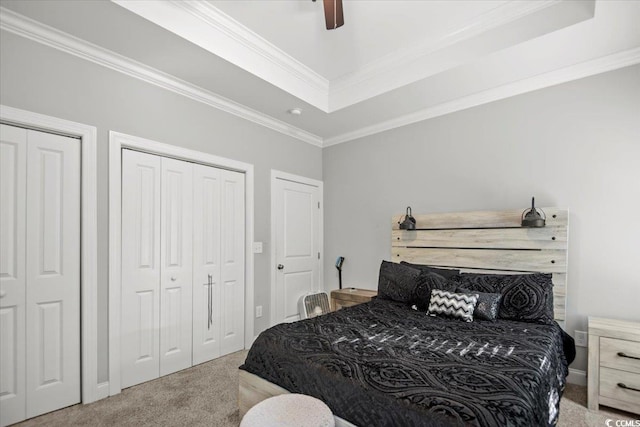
(533,217)
(409,222)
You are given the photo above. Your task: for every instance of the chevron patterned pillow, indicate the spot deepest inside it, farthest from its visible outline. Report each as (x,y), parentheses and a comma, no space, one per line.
(447,303)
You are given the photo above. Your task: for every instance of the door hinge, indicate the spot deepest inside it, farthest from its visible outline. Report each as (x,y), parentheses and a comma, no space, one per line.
(318,255)
(318,205)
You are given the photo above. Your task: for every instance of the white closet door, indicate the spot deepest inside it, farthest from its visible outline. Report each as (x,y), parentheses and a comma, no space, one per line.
(140,334)
(232,262)
(13,164)
(176,239)
(53,272)
(39,273)
(206,263)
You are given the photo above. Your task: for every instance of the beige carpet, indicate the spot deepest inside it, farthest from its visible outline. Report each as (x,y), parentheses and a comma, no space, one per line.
(207,394)
(574,412)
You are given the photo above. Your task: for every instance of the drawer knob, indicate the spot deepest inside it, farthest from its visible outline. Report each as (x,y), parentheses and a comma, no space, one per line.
(621,354)
(626,387)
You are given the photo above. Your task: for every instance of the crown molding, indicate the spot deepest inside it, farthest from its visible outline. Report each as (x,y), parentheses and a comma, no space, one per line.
(252,41)
(49,36)
(201,23)
(46,35)
(563,75)
(389,72)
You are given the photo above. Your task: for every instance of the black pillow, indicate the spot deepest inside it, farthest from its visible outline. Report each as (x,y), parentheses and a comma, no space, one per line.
(397,282)
(428,281)
(488,304)
(444,272)
(525,297)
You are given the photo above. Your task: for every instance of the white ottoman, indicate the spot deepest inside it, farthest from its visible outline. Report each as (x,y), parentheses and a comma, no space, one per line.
(294,410)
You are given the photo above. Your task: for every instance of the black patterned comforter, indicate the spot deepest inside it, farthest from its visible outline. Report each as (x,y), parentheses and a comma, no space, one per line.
(383,364)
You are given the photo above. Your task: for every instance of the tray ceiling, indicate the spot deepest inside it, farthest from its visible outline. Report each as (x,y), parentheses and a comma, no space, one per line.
(393,63)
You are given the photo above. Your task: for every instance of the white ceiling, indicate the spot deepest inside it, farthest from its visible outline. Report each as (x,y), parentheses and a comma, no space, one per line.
(392,63)
(373,29)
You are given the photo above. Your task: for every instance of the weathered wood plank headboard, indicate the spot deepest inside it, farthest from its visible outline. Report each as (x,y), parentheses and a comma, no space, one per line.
(490,242)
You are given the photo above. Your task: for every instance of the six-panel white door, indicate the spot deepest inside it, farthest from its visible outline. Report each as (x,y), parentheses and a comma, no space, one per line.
(40,273)
(297,214)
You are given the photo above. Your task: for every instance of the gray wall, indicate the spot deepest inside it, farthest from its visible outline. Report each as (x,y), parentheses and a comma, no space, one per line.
(43,80)
(575,145)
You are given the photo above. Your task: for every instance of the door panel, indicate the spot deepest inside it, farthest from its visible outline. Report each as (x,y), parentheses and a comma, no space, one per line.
(176,239)
(232,265)
(147,339)
(298,230)
(296,284)
(9,366)
(206,263)
(53,272)
(297,246)
(50,337)
(13,149)
(140,334)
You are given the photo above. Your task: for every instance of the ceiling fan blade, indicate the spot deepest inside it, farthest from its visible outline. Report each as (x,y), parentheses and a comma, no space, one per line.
(333,14)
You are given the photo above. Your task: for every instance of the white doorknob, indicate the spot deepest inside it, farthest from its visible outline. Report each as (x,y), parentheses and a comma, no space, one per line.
(173,278)
(2,294)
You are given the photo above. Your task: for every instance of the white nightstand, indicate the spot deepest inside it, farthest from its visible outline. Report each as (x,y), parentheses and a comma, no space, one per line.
(614,364)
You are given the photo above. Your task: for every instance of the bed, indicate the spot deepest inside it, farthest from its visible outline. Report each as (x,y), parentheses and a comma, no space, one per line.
(388,363)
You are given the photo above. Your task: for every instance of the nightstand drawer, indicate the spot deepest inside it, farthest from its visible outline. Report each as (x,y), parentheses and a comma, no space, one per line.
(343,303)
(608,338)
(609,380)
(620,354)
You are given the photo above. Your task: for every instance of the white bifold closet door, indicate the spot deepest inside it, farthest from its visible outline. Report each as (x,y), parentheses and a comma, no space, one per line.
(176,266)
(206,263)
(218,263)
(182,265)
(232,262)
(39,273)
(140,292)
(156,266)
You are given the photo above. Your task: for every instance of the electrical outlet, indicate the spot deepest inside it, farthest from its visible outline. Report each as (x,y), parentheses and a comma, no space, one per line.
(258,311)
(581,338)
(257,247)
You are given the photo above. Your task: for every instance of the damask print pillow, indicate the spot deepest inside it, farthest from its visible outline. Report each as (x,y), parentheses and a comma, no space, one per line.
(397,282)
(525,297)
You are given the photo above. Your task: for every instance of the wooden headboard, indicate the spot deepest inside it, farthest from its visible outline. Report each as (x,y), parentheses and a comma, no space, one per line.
(488,242)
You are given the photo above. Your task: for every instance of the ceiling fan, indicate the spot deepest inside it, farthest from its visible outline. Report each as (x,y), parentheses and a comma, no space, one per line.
(333,14)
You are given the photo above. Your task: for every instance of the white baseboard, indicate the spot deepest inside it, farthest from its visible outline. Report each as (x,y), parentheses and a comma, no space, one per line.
(577,377)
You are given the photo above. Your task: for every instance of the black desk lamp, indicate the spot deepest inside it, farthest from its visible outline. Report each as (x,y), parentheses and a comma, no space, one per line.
(339,262)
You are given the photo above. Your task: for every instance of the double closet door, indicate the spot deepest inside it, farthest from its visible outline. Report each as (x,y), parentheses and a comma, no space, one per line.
(39,273)
(182,265)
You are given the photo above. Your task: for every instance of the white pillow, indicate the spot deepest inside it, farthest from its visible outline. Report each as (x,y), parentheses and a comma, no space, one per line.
(447,303)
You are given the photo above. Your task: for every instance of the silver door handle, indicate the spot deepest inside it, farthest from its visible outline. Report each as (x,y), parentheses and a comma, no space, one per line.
(280,266)
(173,279)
